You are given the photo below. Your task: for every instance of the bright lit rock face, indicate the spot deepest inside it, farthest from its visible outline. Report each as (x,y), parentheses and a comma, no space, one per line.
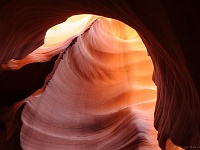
(169,30)
(107,99)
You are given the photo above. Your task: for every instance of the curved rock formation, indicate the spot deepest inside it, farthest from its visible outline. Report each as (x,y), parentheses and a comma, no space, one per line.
(103,88)
(169,30)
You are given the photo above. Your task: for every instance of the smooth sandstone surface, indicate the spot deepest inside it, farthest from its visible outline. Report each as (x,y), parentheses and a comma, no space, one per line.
(169,30)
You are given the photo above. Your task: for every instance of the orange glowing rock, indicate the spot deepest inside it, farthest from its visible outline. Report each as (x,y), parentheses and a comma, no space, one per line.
(101,95)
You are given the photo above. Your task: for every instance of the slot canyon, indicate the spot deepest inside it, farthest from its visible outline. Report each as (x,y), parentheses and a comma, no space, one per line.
(99,75)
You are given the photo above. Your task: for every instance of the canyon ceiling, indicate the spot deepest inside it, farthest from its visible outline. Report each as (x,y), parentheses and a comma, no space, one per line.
(68,95)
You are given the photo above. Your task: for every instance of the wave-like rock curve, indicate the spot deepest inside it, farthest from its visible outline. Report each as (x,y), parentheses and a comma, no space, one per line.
(96,97)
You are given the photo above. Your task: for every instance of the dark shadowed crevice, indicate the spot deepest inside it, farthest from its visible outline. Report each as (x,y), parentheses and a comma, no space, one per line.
(17,85)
